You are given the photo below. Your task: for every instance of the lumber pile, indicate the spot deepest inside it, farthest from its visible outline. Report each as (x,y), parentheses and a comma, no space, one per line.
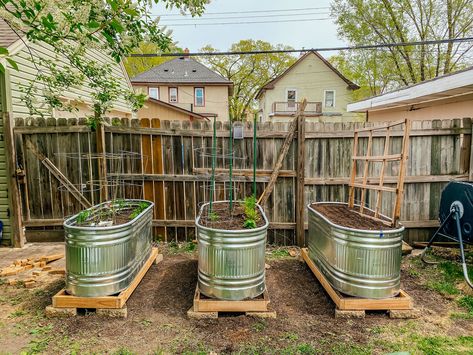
(38,266)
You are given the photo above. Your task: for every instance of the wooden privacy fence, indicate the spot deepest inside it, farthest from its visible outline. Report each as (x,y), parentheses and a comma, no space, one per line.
(165,162)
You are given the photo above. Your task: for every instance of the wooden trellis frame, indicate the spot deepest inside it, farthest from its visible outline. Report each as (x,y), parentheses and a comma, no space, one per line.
(369,158)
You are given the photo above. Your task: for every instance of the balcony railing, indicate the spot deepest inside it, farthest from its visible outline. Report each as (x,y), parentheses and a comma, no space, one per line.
(289,108)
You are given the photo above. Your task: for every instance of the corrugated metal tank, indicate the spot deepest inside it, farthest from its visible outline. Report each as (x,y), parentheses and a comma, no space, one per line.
(362,263)
(231,262)
(103,261)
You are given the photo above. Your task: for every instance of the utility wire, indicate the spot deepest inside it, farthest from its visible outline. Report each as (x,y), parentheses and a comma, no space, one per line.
(249,12)
(245,22)
(303,50)
(243,17)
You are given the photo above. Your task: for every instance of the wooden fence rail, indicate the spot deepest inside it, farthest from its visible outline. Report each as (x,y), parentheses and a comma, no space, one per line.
(162,161)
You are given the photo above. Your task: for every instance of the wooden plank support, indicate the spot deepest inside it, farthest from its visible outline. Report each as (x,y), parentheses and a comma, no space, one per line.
(300,183)
(401,302)
(202,304)
(64,300)
(59,175)
(282,154)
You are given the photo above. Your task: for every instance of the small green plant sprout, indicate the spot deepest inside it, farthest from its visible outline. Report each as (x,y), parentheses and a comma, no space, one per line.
(141,207)
(83,216)
(250,211)
(213,216)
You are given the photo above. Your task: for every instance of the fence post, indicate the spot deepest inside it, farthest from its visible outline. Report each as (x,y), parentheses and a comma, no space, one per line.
(17,231)
(300,181)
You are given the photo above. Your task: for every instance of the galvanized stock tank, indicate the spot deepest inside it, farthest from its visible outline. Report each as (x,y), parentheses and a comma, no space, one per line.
(362,263)
(103,261)
(231,262)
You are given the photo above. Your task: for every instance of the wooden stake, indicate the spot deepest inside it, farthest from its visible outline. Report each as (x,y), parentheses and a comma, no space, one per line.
(402,172)
(365,172)
(102,162)
(282,154)
(351,196)
(381,175)
(300,172)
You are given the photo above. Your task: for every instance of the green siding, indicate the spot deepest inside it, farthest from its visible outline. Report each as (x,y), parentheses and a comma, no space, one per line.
(4,202)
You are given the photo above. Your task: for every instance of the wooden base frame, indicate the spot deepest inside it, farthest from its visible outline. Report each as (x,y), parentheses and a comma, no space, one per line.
(402,302)
(205,307)
(63,300)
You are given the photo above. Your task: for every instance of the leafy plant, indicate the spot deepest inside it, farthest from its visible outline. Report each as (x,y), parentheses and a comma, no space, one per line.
(141,207)
(83,216)
(213,216)
(250,211)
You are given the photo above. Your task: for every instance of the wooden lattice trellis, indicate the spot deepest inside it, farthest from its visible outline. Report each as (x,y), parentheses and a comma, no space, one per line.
(383,159)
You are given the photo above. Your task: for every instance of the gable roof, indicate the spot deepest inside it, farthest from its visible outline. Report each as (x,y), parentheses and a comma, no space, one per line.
(270,84)
(442,87)
(177,108)
(182,70)
(7,35)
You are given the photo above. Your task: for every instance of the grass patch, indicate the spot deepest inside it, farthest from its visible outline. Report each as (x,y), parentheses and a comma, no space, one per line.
(466,302)
(278,253)
(259,326)
(17,313)
(186,247)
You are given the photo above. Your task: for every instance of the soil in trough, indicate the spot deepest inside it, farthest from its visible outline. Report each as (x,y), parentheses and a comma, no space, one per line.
(223,218)
(349,217)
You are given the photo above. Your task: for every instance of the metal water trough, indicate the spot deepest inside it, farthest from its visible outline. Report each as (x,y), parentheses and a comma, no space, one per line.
(356,262)
(102,261)
(231,262)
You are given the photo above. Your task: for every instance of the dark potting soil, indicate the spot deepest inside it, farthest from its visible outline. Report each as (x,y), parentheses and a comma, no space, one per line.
(348,217)
(223,218)
(100,219)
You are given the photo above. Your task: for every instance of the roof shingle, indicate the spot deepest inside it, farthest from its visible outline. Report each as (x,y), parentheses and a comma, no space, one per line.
(183,70)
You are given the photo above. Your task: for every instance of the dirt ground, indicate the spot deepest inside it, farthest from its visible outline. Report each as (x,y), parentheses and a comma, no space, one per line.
(305,324)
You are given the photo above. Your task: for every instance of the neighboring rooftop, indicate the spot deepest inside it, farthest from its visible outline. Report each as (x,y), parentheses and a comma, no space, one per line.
(442,87)
(182,70)
(270,84)
(7,35)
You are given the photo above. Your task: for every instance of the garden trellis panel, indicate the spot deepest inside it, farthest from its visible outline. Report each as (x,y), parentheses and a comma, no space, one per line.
(171,173)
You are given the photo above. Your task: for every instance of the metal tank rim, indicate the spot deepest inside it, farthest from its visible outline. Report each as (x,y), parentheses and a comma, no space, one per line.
(230,231)
(67,222)
(366,231)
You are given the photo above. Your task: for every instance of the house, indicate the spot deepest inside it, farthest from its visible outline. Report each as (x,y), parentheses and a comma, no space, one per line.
(188,84)
(154,108)
(80,95)
(12,105)
(445,97)
(312,78)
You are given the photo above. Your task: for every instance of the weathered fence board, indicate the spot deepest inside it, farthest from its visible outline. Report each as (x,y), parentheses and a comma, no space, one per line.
(163,161)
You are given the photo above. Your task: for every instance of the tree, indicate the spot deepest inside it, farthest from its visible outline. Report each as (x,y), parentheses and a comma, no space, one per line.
(75,28)
(249,73)
(137,65)
(382,21)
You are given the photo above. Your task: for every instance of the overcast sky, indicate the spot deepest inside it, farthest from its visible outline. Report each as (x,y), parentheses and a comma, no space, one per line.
(298,33)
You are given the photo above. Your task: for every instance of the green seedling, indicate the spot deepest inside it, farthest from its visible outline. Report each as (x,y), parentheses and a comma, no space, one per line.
(83,216)
(213,216)
(251,213)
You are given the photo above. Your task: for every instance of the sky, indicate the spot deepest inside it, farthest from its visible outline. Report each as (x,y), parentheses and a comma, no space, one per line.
(297,33)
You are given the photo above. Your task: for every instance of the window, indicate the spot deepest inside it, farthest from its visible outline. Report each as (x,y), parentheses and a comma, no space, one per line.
(153,93)
(172,94)
(199,97)
(291,96)
(329,99)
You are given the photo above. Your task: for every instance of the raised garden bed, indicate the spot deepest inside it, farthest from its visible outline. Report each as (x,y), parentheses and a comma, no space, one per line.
(358,255)
(231,257)
(106,246)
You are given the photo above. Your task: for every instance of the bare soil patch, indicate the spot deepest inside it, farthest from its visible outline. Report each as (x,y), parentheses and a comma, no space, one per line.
(157,318)
(224,218)
(347,217)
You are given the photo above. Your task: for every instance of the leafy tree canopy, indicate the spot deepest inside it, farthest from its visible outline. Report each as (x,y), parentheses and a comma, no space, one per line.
(73,29)
(382,21)
(249,73)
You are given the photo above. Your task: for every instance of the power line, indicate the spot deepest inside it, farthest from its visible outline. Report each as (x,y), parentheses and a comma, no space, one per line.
(245,17)
(303,50)
(245,22)
(250,11)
